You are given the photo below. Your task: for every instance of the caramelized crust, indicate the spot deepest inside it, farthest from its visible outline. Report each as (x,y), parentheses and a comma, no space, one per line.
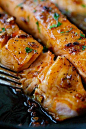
(62,93)
(48,24)
(20,52)
(35,74)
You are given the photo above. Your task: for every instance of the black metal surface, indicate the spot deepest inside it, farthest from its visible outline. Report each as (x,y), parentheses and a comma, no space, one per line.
(15,112)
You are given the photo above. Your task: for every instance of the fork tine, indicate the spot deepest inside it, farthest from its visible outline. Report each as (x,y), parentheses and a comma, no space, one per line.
(2,66)
(5,83)
(8,75)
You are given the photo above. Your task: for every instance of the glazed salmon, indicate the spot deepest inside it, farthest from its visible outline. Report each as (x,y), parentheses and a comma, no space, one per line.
(72,6)
(35,74)
(44,21)
(8,28)
(61,93)
(20,52)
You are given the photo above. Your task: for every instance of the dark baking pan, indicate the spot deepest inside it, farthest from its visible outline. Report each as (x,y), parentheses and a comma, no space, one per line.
(18,111)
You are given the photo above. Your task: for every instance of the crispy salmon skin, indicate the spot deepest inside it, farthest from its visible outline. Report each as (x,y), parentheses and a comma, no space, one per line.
(44,21)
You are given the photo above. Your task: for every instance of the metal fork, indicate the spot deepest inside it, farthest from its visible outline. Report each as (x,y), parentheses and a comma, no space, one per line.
(9,77)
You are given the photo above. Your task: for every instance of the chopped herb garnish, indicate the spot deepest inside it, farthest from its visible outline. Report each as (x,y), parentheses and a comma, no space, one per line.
(56,16)
(83,5)
(56,4)
(19,5)
(35,0)
(71,29)
(83,48)
(59,24)
(34,10)
(35,51)
(79,38)
(28,18)
(56,25)
(76,33)
(82,35)
(3,29)
(62,32)
(28,49)
(67,31)
(37,23)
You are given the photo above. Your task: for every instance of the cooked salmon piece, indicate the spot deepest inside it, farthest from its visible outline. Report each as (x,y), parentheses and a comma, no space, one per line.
(20,52)
(8,28)
(72,6)
(61,93)
(46,22)
(35,74)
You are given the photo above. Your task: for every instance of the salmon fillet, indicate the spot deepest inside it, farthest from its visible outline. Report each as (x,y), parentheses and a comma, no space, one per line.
(8,28)
(61,93)
(35,74)
(48,24)
(72,6)
(20,52)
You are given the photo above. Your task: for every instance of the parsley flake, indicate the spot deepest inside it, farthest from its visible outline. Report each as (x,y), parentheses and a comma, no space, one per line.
(28,50)
(83,5)
(3,29)
(56,16)
(37,23)
(62,32)
(19,5)
(82,35)
(56,25)
(83,48)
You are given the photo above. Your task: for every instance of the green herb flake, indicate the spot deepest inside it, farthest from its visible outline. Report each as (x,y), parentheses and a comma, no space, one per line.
(67,31)
(56,25)
(59,24)
(56,16)
(28,50)
(56,5)
(37,23)
(28,18)
(3,29)
(19,5)
(82,35)
(53,26)
(83,5)
(34,10)
(35,0)
(62,32)
(83,48)
(35,51)
(79,39)
(76,33)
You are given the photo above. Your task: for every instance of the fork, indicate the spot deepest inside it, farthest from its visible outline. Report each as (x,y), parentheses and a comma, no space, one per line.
(9,77)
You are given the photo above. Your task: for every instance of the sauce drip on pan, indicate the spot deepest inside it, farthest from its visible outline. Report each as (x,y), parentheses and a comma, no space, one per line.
(18,109)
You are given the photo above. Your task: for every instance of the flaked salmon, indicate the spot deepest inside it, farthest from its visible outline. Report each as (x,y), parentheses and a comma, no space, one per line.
(61,93)
(35,74)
